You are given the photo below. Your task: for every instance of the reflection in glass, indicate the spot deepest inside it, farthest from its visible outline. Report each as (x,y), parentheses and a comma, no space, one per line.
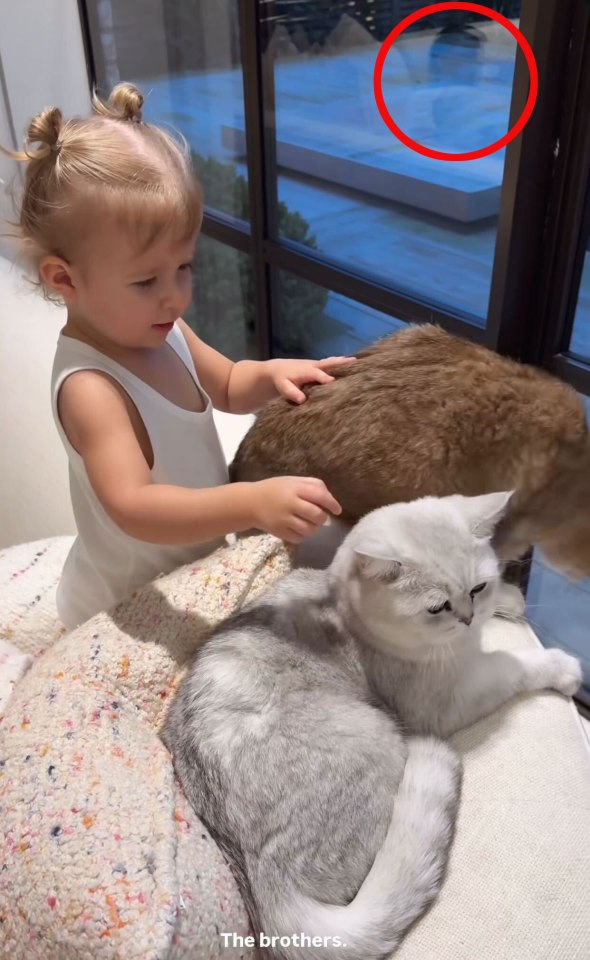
(185,56)
(427,227)
(580,339)
(222,312)
(310,321)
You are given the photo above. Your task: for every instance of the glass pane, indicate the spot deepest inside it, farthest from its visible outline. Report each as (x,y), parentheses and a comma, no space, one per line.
(185,56)
(311,321)
(559,610)
(580,340)
(222,312)
(427,227)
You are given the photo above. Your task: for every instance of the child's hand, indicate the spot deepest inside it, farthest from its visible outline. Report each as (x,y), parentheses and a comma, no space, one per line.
(292,508)
(288,375)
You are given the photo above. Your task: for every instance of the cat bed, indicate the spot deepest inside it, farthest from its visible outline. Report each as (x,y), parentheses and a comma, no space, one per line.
(29,574)
(103,858)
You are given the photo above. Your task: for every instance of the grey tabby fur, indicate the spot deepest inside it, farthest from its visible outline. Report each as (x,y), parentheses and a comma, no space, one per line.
(307,732)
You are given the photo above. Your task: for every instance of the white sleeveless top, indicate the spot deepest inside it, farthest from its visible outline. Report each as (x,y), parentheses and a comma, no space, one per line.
(105,564)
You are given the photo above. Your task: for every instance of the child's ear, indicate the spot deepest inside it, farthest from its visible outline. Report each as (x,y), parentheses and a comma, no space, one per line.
(56,274)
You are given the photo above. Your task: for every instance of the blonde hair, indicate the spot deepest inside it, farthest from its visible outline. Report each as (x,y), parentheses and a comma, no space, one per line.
(111,164)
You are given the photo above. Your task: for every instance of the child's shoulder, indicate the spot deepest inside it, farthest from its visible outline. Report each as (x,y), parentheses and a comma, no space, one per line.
(90,402)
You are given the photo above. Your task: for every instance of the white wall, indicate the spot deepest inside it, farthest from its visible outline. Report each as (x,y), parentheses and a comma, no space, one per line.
(41,64)
(34,495)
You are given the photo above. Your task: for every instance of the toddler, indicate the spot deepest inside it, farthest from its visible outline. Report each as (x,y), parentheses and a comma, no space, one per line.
(110,217)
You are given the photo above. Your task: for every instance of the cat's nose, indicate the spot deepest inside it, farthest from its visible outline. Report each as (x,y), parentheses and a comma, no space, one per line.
(466,620)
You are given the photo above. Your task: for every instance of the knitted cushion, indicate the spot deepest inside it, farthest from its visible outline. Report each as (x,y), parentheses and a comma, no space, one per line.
(29,574)
(102,857)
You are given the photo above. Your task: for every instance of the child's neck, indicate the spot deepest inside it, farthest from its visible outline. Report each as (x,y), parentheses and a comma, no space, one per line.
(77,329)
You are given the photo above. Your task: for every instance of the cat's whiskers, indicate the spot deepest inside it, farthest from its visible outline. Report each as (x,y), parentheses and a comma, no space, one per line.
(440,653)
(431,656)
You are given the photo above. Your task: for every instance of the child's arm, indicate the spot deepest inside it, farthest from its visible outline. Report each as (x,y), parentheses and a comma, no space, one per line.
(94,414)
(245,386)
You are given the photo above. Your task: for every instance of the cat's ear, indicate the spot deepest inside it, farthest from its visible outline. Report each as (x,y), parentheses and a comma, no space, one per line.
(382,569)
(485,512)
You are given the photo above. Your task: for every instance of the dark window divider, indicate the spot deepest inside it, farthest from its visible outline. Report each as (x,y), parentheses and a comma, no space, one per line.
(576,222)
(261,158)
(530,160)
(227,231)
(90,28)
(561,265)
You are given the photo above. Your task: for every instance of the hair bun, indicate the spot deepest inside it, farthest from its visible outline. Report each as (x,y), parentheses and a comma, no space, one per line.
(45,128)
(124,103)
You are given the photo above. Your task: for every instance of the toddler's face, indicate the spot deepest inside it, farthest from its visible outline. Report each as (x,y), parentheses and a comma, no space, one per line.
(132,299)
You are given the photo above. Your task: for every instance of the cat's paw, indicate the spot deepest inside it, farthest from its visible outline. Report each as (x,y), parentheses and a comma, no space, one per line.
(510,602)
(563,672)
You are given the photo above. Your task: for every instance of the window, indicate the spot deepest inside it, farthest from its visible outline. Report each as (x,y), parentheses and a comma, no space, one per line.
(422,226)
(579,345)
(275,99)
(222,311)
(186,58)
(318,322)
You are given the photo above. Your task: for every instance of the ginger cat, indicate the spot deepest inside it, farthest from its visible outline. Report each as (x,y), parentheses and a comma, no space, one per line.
(423,413)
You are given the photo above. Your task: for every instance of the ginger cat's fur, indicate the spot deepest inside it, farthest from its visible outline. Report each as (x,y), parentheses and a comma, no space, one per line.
(423,413)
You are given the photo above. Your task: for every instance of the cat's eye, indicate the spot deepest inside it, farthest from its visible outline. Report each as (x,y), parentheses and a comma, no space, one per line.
(478,589)
(442,606)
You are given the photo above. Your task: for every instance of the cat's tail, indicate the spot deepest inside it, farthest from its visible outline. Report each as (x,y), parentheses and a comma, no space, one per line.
(405,877)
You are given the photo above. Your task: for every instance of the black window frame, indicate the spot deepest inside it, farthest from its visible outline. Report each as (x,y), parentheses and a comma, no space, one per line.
(568,218)
(527,195)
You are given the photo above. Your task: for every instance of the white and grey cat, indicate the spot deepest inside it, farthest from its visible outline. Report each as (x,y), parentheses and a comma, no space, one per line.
(307,732)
